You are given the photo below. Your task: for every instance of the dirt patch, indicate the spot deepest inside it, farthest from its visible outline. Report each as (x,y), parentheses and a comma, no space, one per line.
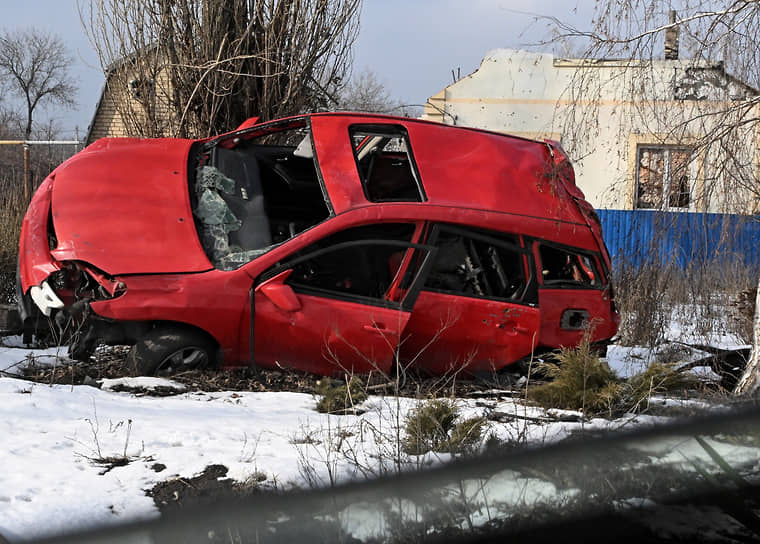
(139,391)
(108,363)
(260,380)
(111,363)
(205,488)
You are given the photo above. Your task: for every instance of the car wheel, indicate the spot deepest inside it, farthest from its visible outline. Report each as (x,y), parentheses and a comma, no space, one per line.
(169,350)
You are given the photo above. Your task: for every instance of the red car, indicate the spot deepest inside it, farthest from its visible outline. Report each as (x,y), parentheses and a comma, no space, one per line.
(327,243)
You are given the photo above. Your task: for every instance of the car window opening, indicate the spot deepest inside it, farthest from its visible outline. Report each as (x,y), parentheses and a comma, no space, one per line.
(386,165)
(361,261)
(472,266)
(562,266)
(256,195)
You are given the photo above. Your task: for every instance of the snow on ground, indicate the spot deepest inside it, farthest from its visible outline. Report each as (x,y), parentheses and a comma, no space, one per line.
(14,355)
(54,436)
(694,324)
(683,331)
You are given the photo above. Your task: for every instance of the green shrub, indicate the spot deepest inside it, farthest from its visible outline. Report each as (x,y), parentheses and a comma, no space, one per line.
(433,426)
(580,381)
(340,397)
(657,378)
(467,435)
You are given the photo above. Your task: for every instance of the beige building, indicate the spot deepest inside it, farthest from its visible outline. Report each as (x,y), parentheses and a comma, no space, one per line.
(131,104)
(638,131)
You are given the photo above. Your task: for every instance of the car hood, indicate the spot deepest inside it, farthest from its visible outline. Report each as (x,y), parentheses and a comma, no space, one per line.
(122,205)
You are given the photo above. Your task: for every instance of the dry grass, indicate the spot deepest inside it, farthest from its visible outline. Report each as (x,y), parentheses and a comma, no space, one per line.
(647,297)
(43,159)
(581,381)
(12,208)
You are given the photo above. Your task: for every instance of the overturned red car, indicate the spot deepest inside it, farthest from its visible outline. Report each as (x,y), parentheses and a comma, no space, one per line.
(327,243)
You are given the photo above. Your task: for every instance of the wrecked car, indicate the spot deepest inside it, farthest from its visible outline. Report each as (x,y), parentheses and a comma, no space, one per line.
(326,243)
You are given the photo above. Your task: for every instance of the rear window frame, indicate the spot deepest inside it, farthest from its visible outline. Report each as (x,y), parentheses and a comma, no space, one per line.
(391,131)
(595,257)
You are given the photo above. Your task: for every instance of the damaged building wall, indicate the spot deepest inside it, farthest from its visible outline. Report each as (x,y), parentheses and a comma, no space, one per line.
(628,125)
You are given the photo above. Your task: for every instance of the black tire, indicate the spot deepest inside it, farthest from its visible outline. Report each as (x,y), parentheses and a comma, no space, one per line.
(168,350)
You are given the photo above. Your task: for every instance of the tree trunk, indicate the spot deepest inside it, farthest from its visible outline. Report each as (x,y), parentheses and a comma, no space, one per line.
(750,379)
(28,128)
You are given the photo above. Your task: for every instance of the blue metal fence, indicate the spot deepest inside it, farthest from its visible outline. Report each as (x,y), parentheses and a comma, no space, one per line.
(683,239)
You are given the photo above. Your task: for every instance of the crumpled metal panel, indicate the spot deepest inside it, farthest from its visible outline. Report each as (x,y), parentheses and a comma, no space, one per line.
(123,206)
(35,262)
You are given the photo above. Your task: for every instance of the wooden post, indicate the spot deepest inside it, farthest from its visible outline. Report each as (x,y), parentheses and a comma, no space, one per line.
(26,172)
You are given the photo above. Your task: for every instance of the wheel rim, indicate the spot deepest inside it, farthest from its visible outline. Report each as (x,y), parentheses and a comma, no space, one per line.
(187,358)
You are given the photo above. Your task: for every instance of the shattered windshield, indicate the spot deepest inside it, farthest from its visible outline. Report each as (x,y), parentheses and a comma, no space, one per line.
(251,194)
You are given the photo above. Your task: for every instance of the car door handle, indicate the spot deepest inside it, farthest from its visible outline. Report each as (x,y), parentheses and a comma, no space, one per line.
(380,329)
(513,329)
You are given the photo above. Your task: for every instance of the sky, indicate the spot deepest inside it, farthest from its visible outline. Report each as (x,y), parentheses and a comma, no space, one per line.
(411,45)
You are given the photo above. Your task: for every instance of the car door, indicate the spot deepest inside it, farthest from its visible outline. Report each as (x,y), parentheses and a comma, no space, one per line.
(340,305)
(574,296)
(476,311)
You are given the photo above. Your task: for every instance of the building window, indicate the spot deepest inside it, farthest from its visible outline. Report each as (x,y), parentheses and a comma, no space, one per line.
(663,177)
(142,89)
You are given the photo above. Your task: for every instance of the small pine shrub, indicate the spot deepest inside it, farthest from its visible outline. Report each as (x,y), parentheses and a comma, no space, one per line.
(580,381)
(433,426)
(428,426)
(340,397)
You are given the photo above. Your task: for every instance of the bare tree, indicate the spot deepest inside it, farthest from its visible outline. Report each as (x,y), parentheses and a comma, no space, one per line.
(11,124)
(203,66)
(366,93)
(37,69)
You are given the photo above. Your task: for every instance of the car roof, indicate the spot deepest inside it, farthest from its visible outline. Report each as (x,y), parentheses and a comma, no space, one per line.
(459,167)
